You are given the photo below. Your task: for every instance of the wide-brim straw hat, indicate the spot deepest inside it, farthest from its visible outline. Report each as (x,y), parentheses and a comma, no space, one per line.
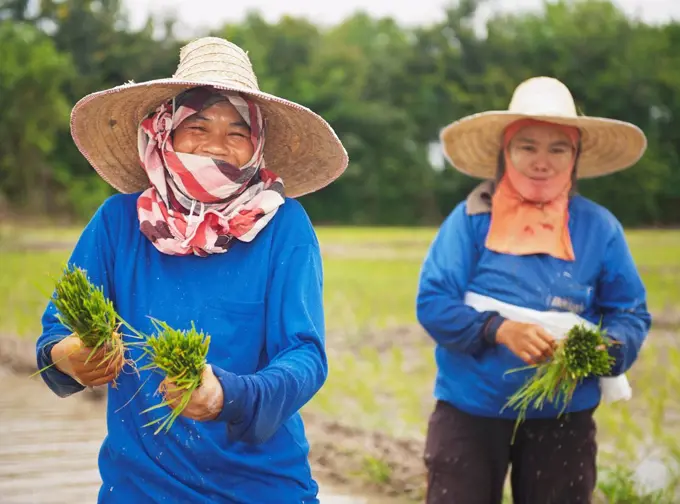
(472,144)
(300,147)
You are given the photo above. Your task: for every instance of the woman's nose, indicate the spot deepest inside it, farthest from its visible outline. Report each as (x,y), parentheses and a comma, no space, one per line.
(216,144)
(541,163)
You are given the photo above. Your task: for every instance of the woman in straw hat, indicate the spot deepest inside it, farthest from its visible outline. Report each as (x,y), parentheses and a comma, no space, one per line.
(512,267)
(204,233)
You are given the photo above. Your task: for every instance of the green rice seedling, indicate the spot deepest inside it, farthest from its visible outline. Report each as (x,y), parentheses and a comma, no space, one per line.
(583,353)
(181,356)
(90,315)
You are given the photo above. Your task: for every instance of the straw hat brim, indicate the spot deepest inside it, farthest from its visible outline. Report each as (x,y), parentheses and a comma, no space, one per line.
(473,143)
(300,147)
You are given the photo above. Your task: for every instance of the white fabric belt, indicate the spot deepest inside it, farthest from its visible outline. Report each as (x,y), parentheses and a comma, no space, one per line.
(558,324)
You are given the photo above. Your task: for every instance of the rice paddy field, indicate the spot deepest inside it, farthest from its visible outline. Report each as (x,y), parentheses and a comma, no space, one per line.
(381,362)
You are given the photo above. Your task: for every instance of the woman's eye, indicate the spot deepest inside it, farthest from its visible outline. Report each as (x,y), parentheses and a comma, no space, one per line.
(198,128)
(238,134)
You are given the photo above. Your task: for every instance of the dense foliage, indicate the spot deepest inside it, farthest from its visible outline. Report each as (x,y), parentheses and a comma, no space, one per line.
(386,89)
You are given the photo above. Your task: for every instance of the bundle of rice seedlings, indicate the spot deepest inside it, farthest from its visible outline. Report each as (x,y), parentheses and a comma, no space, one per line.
(583,353)
(181,356)
(89,314)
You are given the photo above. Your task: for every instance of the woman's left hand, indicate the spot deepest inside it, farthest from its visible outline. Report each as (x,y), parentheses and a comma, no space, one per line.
(206,401)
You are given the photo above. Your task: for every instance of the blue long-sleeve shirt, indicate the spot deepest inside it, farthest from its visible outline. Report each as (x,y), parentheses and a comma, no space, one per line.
(261,302)
(601,285)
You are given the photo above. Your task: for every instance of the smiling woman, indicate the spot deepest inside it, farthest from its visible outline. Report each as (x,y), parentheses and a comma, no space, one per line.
(537,163)
(205,234)
(218,131)
(210,159)
(522,255)
(540,157)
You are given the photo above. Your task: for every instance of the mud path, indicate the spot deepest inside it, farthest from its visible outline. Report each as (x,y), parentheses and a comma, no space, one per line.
(49,446)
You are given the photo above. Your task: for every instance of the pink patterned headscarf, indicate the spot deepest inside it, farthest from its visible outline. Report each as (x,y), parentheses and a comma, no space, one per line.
(197,204)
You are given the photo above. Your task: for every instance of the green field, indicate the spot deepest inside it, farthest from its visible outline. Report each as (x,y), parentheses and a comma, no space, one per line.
(381,364)
(371,274)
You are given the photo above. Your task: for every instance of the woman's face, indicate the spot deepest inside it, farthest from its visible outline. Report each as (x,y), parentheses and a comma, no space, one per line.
(544,155)
(218,132)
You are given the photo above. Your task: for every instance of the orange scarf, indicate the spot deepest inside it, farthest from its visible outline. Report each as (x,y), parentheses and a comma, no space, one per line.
(522,227)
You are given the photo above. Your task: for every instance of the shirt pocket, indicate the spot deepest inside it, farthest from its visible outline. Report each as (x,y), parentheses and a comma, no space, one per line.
(568,295)
(237,333)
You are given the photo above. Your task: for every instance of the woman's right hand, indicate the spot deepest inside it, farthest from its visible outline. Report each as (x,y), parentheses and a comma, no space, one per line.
(529,342)
(75,360)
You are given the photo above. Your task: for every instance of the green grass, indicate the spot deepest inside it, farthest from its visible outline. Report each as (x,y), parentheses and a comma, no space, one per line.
(387,235)
(375,470)
(26,283)
(361,293)
(11,233)
(371,274)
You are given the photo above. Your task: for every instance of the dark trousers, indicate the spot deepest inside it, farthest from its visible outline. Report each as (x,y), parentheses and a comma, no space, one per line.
(467,458)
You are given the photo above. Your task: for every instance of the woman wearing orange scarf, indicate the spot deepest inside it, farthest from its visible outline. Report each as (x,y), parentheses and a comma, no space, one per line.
(523,254)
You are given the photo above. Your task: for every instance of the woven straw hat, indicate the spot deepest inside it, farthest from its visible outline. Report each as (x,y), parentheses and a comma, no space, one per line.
(301,147)
(473,143)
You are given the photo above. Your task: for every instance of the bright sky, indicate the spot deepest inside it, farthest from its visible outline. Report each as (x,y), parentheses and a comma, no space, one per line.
(210,13)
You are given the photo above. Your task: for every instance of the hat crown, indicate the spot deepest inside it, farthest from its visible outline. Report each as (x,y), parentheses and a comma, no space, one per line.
(543,96)
(212,59)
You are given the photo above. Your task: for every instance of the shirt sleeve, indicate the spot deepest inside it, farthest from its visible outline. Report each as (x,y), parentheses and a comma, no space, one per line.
(93,253)
(622,300)
(444,277)
(256,405)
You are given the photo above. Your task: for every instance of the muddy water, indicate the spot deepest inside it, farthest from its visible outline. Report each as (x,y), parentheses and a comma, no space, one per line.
(49,446)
